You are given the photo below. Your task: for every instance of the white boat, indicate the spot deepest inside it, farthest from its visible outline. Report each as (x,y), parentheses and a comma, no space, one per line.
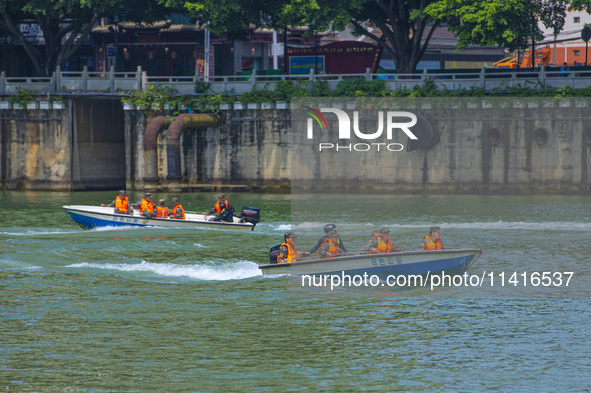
(452,262)
(96,216)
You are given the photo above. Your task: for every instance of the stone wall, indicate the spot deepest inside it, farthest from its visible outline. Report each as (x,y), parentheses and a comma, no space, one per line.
(520,148)
(77,146)
(94,144)
(250,148)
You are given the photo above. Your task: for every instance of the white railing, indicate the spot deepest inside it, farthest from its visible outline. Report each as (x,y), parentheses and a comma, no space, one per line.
(113,82)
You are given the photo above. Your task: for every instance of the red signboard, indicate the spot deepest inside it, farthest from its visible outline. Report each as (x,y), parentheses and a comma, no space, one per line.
(345,57)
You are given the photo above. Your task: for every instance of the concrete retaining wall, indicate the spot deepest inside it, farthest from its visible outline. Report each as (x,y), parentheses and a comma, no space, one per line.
(94,144)
(79,147)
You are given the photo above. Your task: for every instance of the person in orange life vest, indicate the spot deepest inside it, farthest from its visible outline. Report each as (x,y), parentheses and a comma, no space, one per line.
(146,206)
(432,241)
(331,246)
(221,205)
(121,204)
(288,252)
(383,244)
(370,244)
(161,210)
(177,211)
(328,228)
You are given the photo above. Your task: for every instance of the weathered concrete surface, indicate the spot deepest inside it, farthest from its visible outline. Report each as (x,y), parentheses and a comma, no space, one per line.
(99,144)
(250,148)
(35,149)
(75,148)
(522,148)
(537,147)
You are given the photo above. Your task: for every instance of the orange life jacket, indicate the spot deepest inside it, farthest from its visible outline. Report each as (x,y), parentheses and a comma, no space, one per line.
(333,248)
(149,206)
(292,254)
(174,212)
(384,246)
(161,212)
(122,203)
(221,207)
(431,245)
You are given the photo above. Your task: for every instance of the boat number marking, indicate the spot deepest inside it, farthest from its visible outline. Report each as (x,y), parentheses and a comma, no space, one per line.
(384,261)
(125,219)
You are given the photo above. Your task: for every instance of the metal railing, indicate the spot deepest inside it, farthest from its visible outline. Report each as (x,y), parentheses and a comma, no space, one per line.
(113,82)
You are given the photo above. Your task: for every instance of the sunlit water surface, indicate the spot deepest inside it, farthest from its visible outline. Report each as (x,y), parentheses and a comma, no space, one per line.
(188,310)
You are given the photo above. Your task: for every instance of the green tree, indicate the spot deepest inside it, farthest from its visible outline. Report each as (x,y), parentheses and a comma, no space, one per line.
(402,22)
(67,23)
(232,17)
(509,23)
(406,29)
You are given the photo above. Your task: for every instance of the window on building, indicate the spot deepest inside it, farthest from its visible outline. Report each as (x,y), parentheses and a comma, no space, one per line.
(577,19)
(576,52)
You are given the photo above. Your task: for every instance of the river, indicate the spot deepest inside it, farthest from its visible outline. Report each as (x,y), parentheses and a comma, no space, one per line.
(188,310)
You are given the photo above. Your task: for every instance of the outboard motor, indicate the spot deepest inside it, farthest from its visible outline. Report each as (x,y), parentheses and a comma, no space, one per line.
(250,214)
(273,253)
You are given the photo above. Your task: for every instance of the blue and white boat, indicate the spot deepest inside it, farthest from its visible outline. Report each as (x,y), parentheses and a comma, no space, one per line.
(89,217)
(452,262)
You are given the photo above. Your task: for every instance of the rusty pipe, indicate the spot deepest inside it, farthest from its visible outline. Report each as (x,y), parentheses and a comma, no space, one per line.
(151,146)
(173,139)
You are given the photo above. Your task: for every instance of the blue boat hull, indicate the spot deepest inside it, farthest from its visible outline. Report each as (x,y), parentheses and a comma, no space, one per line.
(406,263)
(89,217)
(89,222)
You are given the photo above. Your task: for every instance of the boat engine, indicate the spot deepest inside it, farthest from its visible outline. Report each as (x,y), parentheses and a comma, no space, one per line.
(250,214)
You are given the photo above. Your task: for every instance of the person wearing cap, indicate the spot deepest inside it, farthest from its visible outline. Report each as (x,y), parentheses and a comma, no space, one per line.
(177,211)
(121,204)
(432,241)
(287,251)
(371,243)
(328,228)
(221,205)
(161,209)
(383,244)
(146,206)
(330,247)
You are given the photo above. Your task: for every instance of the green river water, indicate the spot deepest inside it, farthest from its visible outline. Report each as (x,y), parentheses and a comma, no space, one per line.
(172,310)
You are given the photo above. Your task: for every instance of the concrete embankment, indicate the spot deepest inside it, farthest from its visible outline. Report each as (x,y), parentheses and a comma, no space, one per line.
(92,143)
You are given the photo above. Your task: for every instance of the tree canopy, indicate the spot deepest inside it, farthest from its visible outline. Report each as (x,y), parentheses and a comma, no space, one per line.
(402,27)
(67,23)
(509,23)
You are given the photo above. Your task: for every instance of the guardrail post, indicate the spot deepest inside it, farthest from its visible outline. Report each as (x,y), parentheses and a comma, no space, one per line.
(112,79)
(253,79)
(2,82)
(542,74)
(425,75)
(367,74)
(138,78)
(312,75)
(58,79)
(85,78)
(482,78)
(144,82)
(52,88)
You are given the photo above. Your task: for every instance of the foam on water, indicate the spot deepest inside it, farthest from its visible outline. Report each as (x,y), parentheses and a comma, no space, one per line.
(508,225)
(494,225)
(207,272)
(37,231)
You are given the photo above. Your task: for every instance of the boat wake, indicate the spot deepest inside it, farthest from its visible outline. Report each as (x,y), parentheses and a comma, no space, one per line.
(213,271)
